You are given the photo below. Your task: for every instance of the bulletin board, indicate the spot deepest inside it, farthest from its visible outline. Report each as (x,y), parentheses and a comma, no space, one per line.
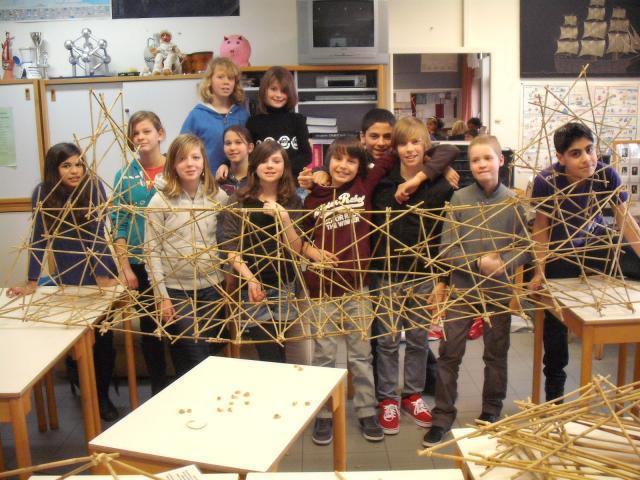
(20,144)
(611,109)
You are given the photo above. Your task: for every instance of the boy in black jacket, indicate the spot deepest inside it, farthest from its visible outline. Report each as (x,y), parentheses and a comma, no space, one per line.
(402,253)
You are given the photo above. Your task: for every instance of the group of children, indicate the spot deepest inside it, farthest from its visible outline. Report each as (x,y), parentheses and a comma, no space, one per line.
(362,232)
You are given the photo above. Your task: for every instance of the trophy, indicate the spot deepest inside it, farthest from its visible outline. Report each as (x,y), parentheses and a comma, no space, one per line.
(36,37)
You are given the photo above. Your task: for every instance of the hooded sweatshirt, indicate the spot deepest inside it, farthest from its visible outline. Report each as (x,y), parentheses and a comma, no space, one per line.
(210,125)
(181,242)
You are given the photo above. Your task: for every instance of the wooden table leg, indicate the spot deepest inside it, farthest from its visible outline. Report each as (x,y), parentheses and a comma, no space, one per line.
(338,401)
(599,355)
(131,365)
(2,467)
(51,401)
(80,350)
(622,364)
(538,329)
(636,364)
(587,352)
(20,434)
(41,413)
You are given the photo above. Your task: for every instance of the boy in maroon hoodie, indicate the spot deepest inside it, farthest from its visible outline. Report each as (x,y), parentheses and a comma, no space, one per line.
(339,224)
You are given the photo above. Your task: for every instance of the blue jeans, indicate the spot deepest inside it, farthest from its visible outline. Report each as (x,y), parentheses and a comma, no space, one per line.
(266,321)
(199,310)
(404,307)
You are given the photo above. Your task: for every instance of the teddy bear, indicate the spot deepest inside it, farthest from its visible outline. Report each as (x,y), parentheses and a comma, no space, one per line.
(237,48)
(167,56)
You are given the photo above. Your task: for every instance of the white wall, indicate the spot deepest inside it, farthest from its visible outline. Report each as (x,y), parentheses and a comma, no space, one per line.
(269,25)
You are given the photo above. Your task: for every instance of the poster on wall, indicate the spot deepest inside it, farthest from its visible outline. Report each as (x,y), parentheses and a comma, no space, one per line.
(171,8)
(43,10)
(612,111)
(558,37)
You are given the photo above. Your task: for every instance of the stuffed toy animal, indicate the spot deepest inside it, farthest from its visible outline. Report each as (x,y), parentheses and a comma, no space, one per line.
(237,48)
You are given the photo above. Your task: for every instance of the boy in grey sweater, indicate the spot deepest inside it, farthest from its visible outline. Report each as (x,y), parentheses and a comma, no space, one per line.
(484,241)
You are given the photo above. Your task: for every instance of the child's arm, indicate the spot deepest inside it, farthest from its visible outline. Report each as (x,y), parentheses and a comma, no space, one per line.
(232,230)
(507,261)
(289,234)
(302,157)
(308,177)
(121,220)
(152,251)
(101,259)
(440,158)
(540,235)
(37,247)
(380,170)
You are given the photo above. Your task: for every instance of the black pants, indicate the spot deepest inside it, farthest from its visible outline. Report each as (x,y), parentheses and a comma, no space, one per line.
(104,358)
(152,347)
(555,335)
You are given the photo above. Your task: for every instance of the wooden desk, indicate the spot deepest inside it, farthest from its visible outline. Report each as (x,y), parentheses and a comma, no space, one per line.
(599,312)
(272,405)
(433,474)
(36,332)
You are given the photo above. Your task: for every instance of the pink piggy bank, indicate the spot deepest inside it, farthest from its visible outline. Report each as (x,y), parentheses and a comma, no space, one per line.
(237,48)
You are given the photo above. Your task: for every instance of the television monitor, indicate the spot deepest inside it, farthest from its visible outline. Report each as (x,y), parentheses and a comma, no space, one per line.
(342,31)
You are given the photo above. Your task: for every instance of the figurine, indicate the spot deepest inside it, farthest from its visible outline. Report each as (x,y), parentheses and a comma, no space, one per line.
(167,56)
(7,58)
(237,48)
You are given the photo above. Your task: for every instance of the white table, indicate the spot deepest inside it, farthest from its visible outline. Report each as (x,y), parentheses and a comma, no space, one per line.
(599,311)
(272,405)
(433,474)
(36,332)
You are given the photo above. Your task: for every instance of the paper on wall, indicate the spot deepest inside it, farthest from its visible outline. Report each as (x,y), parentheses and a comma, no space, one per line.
(7,138)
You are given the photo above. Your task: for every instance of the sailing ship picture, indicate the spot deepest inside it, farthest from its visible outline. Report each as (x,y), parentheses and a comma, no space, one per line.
(564,35)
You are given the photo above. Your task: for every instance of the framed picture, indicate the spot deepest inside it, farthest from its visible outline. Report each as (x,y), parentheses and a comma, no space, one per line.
(558,37)
(171,8)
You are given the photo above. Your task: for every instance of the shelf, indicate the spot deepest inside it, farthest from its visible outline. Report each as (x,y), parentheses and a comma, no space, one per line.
(337,89)
(338,102)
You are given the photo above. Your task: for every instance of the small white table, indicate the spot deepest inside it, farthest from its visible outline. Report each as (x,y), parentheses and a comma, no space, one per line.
(244,415)
(36,332)
(599,311)
(433,474)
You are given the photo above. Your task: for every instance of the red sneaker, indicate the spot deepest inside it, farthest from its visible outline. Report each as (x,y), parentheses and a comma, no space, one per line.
(389,417)
(435,333)
(476,330)
(414,405)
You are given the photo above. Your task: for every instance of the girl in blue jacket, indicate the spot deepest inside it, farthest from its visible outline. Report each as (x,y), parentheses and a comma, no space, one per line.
(222,96)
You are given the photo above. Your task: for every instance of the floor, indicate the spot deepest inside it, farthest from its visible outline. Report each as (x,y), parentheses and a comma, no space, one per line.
(395,452)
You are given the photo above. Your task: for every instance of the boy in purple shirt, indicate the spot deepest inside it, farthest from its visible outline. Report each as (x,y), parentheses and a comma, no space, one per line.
(570,235)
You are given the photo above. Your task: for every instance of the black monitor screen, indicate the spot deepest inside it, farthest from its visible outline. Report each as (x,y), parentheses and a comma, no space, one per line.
(340,23)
